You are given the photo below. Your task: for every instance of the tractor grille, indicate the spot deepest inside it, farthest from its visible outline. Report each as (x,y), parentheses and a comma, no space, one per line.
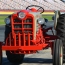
(23,26)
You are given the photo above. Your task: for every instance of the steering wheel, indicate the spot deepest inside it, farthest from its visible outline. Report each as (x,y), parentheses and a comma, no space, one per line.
(39,8)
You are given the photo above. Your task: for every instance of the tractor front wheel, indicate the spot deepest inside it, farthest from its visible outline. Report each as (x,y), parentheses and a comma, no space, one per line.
(15,58)
(58,52)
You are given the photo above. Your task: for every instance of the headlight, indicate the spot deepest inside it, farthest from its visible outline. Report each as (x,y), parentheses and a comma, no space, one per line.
(7,20)
(41,21)
(21,15)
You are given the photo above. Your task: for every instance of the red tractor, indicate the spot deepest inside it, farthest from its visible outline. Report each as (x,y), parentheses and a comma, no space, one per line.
(25,33)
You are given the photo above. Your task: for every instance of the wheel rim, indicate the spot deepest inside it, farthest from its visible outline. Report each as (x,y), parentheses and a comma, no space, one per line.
(61,56)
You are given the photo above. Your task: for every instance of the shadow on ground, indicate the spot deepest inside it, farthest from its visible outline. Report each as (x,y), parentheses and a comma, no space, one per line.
(37,60)
(29,60)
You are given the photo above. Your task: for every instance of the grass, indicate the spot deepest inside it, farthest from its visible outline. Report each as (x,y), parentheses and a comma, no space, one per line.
(49,17)
(2,18)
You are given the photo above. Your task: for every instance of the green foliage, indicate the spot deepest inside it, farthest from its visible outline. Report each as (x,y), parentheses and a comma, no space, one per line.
(49,17)
(2,18)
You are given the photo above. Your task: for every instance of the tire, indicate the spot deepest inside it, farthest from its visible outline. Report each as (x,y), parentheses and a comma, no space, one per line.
(15,58)
(64,52)
(60,28)
(0,60)
(7,31)
(58,52)
(0,54)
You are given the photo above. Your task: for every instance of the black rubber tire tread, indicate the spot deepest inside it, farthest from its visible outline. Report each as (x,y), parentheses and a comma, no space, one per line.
(1,59)
(60,28)
(7,29)
(15,58)
(56,52)
(64,51)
